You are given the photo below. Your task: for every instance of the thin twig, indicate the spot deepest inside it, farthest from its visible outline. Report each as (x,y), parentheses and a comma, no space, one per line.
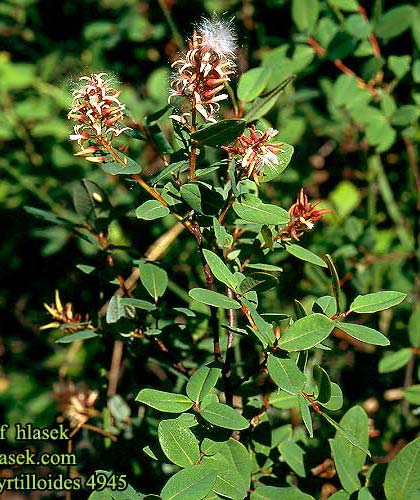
(114,372)
(230,354)
(342,67)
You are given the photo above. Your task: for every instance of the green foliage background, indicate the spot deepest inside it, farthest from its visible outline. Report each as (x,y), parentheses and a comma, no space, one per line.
(354,147)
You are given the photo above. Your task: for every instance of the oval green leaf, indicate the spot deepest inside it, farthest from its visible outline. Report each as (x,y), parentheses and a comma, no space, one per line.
(402,480)
(189,484)
(164,401)
(220,133)
(72,337)
(252,209)
(178,443)
(394,361)
(323,383)
(214,299)
(219,269)
(151,210)
(286,374)
(224,416)
(363,333)
(306,332)
(154,279)
(374,302)
(202,382)
(304,254)
(252,83)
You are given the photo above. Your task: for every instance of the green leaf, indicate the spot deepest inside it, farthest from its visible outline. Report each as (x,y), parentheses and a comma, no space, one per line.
(399,65)
(219,134)
(306,414)
(363,333)
(365,494)
(326,304)
(346,5)
(345,197)
(265,267)
(274,493)
(304,254)
(47,216)
(178,443)
(224,416)
(164,401)
(347,471)
(416,71)
(306,333)
(201,198)
(91,202)
(412,394)
(138,303)
(336,400)
(394,361)
(252,209)
(305,13)
(72,337)
(210,447)
(414,329)
(341,46)
(395,21)
(189,484)
(223,238)
(335,280)
(233,469)
(405,115)
(263,105)
(358,26)
(373,302)
(154,279)
(214,299)
(340,495)
(264,330)
(323,383)
(116,310)
(355,420)
(271,171)
(115,168)
(151,210)
(372,67)
(220,269)
(260,282)
(252,83)
(292,454)
(286,374)
(402,480)
(202,382)
(346,434)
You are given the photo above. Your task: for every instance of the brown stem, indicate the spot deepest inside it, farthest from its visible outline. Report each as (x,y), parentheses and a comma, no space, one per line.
(193,152)
(342,67)
(408,381)
(414,166)
(372,38)
(114,372)
(227,367)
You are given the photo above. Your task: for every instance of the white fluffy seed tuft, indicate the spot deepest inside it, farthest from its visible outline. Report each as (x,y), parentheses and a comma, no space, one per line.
(218,34)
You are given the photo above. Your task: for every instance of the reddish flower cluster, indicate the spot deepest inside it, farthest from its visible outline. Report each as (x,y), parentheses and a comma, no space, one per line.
(98,114)
(302,217)
(63,315)
(76,404)
(200,73)
(255,151)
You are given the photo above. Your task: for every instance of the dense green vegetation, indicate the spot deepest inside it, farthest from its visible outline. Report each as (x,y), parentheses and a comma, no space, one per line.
(339,81)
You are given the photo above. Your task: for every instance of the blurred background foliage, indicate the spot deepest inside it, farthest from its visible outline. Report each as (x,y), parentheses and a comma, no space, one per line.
(352,113)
